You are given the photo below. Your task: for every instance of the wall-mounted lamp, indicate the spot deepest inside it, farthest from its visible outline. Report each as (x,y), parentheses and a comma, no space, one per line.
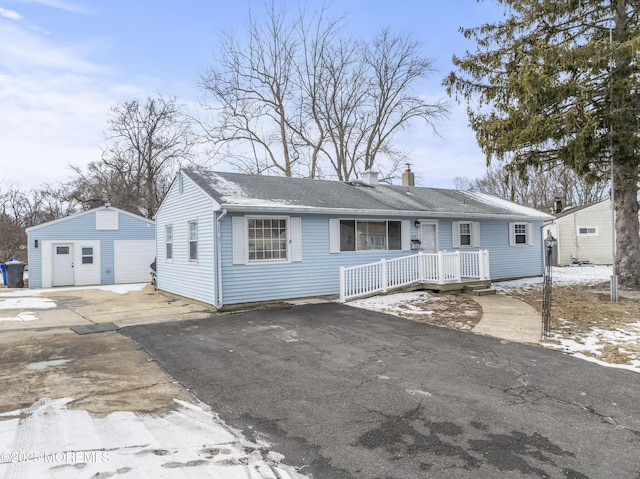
(35,244)
(417,223)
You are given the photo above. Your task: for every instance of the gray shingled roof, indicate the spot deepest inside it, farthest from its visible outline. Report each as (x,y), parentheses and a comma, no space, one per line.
(240,191)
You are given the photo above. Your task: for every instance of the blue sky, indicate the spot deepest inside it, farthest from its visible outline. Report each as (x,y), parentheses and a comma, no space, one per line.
(64,63)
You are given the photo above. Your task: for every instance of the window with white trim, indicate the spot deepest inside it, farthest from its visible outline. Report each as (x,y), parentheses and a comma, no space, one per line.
(587,231)
(268,239)
(168,241)
(520,234)
(364,235)
(87,255)
(465,234)
(193,240)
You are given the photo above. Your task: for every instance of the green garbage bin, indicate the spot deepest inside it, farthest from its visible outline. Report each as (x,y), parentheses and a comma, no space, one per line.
(15,274)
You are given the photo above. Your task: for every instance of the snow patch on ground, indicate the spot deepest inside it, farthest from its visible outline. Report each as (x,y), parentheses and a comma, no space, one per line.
(27,303)
(114,288)
(191,441)
(22,316)
(561,275)
(391,302)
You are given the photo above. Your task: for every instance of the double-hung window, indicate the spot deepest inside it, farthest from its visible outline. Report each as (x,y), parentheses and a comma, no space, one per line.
(87,255)
(193,240)
(465,234)
(168,241)
(520,234)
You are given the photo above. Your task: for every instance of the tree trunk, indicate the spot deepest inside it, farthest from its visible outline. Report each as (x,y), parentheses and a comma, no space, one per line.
(627,224)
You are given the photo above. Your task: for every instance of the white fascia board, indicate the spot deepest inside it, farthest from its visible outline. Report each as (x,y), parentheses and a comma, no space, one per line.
(293,209)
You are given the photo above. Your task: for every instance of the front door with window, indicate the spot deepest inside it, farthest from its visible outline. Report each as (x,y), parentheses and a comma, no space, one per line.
(429,237)
(62,264)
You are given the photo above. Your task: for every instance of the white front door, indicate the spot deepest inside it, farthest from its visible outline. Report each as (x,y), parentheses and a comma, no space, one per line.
(62,264)
(429,237)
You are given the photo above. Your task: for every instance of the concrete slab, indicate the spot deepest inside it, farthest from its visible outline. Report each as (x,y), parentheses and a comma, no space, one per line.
(508,318)
(72,307)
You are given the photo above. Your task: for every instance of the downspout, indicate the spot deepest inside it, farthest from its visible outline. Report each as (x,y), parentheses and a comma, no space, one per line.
(219,301)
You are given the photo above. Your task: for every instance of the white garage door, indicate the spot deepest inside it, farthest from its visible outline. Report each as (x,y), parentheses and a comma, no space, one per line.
(132,259)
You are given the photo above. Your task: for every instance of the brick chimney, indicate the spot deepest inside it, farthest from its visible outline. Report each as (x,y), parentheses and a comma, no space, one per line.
(408,178)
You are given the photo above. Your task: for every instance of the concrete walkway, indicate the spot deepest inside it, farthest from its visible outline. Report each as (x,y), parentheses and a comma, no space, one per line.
(508,318)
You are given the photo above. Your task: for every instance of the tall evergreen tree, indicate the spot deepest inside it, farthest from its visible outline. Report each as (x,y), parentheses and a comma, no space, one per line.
(558,82)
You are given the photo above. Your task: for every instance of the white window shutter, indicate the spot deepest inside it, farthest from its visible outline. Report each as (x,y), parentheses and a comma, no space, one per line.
(455,234)
(530,234)
(512,234)
(475,234)
(239,240)
(334,235)
(405,233)
(295,238)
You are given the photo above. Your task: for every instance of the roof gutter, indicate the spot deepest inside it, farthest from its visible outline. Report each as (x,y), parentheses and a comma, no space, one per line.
(366,212)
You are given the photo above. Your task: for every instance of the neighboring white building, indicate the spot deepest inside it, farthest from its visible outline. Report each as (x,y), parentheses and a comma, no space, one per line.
(584,234)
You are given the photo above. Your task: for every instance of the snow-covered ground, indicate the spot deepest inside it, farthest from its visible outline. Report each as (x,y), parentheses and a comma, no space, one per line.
(49,441)
(588,346)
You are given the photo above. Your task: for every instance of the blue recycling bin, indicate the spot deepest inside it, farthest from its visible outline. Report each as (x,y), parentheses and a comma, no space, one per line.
(4,274)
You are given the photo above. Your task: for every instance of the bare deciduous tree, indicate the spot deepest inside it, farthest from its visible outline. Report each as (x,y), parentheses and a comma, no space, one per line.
(20,210)
(539,188)
(146,143)
(301,98)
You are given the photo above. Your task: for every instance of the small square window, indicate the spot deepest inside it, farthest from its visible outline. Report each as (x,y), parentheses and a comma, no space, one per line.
(87,255)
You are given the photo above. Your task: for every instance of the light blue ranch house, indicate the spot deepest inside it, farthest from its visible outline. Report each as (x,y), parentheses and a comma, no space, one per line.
(104,245)
(229,238)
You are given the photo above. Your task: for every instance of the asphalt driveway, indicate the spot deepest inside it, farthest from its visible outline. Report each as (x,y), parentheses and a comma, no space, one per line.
(347,393)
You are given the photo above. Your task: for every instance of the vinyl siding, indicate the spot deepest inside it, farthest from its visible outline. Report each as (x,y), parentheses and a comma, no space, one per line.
(192,279)
(596,249)
(318,272)
(81,229)
(504,261)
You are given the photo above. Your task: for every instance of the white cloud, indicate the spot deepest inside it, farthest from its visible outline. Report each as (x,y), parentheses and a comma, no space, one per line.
(68,7)
(10,14)
(55,102)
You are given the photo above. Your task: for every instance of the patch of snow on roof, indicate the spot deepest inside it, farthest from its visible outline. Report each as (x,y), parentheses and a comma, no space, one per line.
(233,194)
(507,205)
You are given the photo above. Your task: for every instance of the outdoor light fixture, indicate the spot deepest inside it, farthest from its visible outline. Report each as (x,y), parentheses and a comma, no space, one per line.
(35,244)
(550,243)
(417,223)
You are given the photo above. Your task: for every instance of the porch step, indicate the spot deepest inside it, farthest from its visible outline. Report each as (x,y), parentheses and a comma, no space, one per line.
(479,289)
(483,292)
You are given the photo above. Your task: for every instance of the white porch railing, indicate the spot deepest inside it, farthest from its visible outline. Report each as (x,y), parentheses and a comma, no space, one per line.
(438,268)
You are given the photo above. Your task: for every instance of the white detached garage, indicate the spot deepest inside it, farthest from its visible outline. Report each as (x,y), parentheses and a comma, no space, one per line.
(105,245)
